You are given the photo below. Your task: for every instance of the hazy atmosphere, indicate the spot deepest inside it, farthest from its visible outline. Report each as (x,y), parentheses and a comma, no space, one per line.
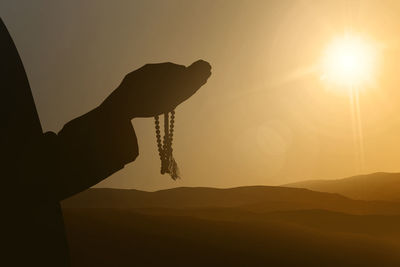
(266,115)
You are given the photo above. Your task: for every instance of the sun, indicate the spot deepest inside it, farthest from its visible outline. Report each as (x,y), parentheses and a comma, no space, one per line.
(350,61)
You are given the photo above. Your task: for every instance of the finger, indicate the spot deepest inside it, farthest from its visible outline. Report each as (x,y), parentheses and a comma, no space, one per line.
(200,69)
(185,83)
(165,65)
(196,75)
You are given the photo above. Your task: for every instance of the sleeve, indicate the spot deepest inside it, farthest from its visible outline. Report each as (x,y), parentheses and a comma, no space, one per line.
(87,150)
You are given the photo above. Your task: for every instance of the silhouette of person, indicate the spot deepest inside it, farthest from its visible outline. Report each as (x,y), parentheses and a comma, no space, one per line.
(41,169)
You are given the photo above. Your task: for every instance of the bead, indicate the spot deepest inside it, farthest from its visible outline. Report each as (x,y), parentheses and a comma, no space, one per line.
(164,146)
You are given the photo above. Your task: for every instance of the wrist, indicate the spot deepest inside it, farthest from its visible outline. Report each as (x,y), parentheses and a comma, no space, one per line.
(108,111)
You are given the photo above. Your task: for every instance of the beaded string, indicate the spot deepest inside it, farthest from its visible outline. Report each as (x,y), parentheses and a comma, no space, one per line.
(160,148)
(168,163)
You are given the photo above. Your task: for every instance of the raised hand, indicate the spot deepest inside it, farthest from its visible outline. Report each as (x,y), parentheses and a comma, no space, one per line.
(156,88)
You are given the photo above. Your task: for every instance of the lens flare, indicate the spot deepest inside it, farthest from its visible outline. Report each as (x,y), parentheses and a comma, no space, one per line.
(350,63)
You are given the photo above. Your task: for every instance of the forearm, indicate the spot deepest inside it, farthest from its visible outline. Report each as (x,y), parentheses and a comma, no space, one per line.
(87,150)
(94,146)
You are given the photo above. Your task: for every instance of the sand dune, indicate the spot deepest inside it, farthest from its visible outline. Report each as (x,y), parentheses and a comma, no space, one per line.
(376,186)
(245,226)
(253,198)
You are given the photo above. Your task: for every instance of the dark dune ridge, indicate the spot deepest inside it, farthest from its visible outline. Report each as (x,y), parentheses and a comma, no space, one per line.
(252,198)
(375,186)
(245,226)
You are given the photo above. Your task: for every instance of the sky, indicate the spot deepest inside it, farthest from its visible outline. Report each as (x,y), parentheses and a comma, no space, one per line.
(265,117)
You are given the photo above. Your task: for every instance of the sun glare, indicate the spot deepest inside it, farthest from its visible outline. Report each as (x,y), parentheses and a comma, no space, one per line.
(349,62)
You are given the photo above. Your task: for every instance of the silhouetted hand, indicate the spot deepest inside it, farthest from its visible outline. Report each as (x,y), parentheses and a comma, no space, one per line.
(156,88)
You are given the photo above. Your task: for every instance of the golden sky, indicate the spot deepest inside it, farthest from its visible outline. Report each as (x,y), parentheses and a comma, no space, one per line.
(264,117)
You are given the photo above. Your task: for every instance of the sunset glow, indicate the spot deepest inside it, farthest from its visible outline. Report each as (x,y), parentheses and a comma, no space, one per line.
(350,61)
